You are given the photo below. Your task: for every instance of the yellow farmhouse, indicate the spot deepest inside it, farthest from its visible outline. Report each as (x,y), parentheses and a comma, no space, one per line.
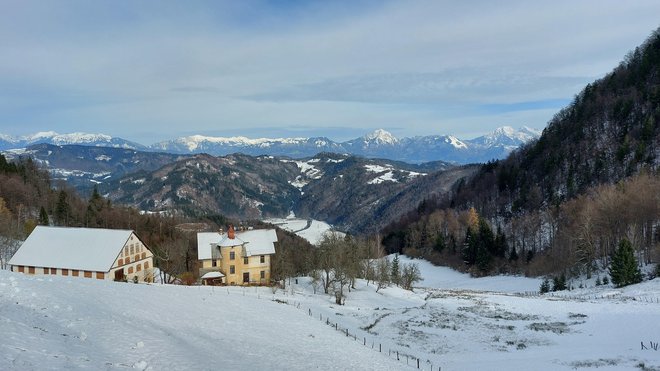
(106,254)
(236,258)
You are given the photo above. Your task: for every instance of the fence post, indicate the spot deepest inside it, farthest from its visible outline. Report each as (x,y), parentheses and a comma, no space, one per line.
(346,332)
(397,355)
(418,363)
(380,348)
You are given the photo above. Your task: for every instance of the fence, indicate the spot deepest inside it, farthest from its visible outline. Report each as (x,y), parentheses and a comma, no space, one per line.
(364,340)
(643,299)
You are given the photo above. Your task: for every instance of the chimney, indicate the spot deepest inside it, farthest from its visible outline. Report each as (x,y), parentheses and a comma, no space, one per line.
(230,232)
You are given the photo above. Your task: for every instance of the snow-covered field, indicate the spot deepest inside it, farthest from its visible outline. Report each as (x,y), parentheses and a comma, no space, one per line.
(311,230)
(455,322)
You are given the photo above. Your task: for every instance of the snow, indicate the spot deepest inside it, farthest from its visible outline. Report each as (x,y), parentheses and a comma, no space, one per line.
(455,142)
(380,136)
(195,141)
(376,168)
(66,323)
(447,278)
(311,230)
(212,275)
(92,249)
(454,322)
(386,177)
(256,241)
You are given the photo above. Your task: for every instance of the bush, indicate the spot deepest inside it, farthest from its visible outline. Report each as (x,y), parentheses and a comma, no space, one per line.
(187,278)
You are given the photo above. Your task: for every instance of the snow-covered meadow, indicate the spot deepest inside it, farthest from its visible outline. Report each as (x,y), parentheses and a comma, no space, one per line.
(309,229)
(454,322)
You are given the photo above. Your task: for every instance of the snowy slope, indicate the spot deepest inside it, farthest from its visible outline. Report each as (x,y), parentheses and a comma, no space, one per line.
(56,323)
(67,323)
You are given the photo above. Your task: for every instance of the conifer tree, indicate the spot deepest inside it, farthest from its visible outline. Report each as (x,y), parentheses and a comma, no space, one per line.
(43,217)
(395,276)
(623,269)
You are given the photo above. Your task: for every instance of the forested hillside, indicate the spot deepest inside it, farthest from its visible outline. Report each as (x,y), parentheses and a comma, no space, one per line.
(590,180)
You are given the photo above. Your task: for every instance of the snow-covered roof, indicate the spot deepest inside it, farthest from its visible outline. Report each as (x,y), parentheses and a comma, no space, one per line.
(228,242)
(208,275)
(259,241)
(256,242)
(91,249)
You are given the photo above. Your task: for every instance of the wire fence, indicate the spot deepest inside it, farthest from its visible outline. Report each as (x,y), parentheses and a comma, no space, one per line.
(618,296)
(364,339)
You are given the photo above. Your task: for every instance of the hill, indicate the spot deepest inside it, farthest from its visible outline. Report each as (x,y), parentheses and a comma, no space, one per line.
(570,196)
(65,322)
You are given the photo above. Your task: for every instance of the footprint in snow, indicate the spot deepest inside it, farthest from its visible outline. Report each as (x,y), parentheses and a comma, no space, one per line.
(142,365)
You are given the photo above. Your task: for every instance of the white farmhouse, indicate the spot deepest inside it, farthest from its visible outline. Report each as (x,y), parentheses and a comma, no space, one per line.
(106,254)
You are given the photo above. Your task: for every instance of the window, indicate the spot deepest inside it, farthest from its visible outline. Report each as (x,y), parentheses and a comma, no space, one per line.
(74,272)
(46,270)
(127,260)
(262,274)
(262,259)
(137,257)
(126,251)
(146,265)
(132,249)
(53,271)
(120,261)
(88,274)
(246,260)
(100,275)
(130,270)
(144,255)
(31,270)
(232,269)
(65,272)
(21,269)
(232,255)
(246,277)
(138,268)
(214,263)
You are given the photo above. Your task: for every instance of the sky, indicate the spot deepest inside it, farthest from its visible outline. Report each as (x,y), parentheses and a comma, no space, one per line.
(154,70)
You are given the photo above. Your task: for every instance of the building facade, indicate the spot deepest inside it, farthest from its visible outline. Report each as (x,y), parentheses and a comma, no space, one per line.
(98,253)
(242,258)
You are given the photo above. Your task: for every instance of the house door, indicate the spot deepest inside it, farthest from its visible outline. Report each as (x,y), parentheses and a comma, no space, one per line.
(119,275)
(246,277)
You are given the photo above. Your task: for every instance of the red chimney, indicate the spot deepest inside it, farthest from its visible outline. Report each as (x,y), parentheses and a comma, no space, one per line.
(230,232)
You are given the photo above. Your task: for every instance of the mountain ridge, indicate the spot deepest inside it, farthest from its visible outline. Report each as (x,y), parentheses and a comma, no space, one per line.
(377,144)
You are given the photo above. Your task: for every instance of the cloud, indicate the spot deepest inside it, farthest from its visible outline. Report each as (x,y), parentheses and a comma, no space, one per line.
(162,68)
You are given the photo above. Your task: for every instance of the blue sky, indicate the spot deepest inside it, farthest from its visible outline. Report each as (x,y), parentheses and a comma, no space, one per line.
(154,70)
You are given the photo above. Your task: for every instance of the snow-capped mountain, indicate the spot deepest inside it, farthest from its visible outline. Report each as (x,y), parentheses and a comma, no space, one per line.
(51,137)
(506,136)
(377,144)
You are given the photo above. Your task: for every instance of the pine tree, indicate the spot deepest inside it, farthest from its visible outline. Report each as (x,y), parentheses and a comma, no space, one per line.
(559,283)
(43,217)
(545,286)
(395,276)
(623,269)
(62,209)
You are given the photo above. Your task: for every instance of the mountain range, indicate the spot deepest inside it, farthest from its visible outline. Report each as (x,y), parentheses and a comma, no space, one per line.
(378,144)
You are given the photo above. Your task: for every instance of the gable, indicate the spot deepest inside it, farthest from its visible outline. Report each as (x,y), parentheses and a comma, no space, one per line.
(92,249)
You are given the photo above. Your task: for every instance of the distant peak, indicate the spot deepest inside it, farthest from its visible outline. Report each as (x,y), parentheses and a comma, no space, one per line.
(381,136)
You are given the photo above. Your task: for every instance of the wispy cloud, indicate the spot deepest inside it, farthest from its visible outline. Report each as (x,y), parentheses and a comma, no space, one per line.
(425,67)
